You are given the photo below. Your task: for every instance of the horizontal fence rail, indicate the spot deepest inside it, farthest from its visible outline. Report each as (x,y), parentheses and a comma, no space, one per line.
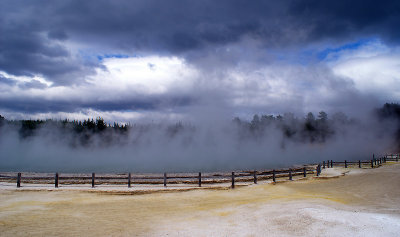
(199,179)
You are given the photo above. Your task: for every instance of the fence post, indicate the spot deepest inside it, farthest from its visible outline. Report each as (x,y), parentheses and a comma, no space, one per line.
(165,179)
(93,177)
(359,163)
(273,175)
(304,171)
(19,180)
(56,180)
(255,176)
(129,180)
(290,174)
(345,163)
(323,162)
(199,179)
(233,179)
(372,163)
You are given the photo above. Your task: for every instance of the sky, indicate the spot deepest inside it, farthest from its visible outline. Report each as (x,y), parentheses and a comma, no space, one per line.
(134,60)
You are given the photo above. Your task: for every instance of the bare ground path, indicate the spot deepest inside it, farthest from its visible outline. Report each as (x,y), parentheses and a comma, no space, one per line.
(364,202)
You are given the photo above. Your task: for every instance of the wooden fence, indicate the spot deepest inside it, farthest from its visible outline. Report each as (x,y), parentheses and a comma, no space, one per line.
(198,179)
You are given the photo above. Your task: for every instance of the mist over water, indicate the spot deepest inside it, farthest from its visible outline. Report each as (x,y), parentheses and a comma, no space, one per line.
(262,143)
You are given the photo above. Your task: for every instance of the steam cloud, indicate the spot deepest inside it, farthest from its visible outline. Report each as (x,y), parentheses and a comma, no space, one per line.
(264,142)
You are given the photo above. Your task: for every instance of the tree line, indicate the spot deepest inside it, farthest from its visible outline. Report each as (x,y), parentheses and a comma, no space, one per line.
(308,129)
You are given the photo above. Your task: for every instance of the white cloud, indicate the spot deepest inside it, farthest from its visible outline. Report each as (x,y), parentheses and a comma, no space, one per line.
(150,75)
(374,69)
(124,77)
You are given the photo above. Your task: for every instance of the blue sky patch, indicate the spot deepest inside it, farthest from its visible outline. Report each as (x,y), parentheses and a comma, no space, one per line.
(323,55)
(101,57)
(318,54)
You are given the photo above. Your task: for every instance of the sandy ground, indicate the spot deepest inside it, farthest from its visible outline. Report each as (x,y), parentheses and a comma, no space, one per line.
(363,202)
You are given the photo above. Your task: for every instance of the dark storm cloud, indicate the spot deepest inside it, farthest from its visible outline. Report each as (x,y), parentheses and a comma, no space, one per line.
(335,19)
(31,45)
(42,105)
(26,53)
(176,26)
(34,35)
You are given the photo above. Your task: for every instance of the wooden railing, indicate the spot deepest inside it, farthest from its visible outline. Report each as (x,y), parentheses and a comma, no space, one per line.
(130,179)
